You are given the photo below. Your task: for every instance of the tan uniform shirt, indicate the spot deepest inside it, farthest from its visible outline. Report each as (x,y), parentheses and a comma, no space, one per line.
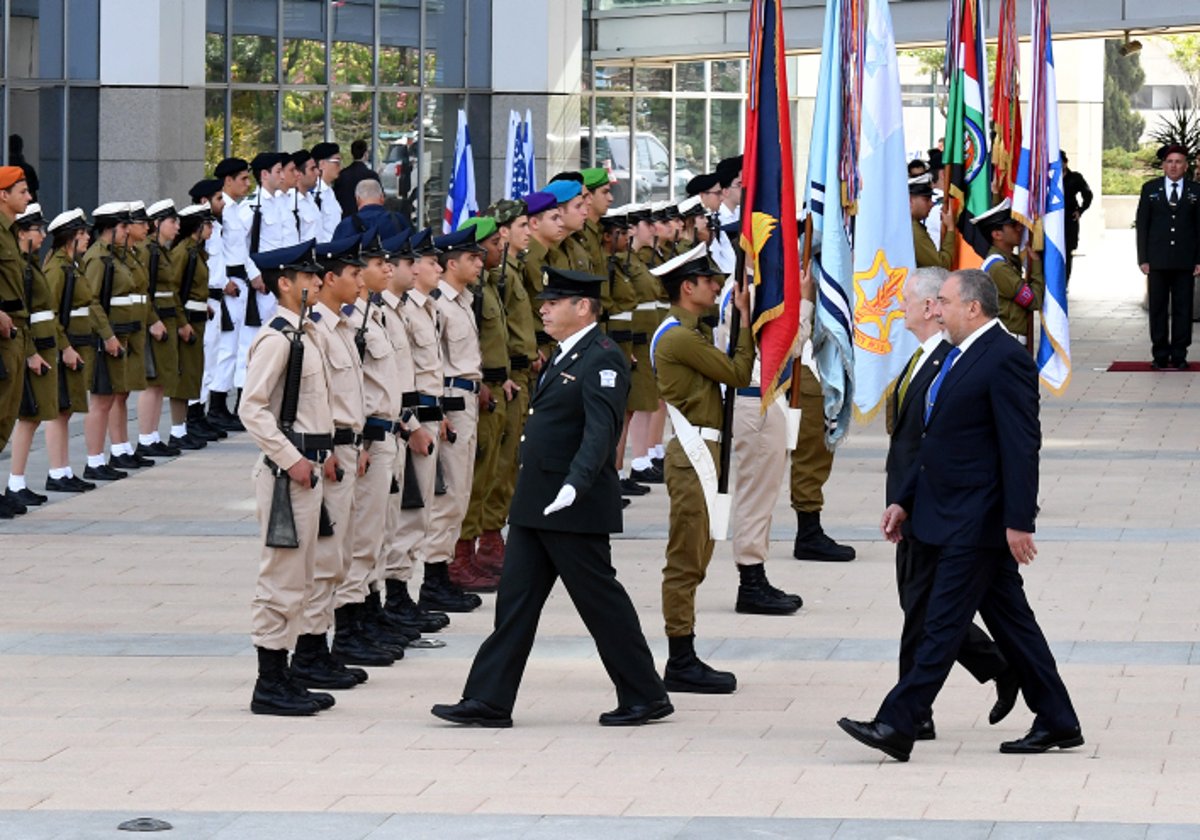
(522,328)
(262,396)
(1007,276)
(382,386)
(344,371)
(424,326)
(461,357)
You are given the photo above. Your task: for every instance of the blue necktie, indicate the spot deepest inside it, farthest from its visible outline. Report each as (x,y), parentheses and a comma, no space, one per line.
(931,395)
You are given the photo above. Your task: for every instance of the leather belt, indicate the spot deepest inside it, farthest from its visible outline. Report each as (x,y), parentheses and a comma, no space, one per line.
(518,362)
(410,399)
(461,384)
(377,428)
(749,392)
(172,294)
(429,413)
(305,441)
(493,375)
(121,300)
(126,327)
(647,307)
(137,299)
(639,338)
(238,271)
(196,306)
(454,404)
(706,433)
(11,306)
(346,437)
(80,312)
(621,336)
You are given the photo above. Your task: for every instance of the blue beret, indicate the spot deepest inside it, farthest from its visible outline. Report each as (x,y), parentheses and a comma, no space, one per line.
(563,191)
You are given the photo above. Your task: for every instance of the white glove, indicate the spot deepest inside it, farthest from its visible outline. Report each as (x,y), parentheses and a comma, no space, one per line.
(564,499)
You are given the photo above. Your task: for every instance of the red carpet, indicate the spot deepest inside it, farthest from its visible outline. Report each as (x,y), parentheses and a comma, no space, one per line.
(1144,367)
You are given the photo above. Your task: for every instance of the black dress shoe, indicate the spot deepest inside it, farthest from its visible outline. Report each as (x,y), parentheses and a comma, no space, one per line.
(1181,365)
(629,487)
(81,484)
(1157,365)
(63,485)
(8,508)
(27,497)
(880,736)
(657,463)
(188,442)
(103,473)
(925,731)
(130,462)
(473,713)
(637,715)
(1008,686)
(158,449)
(1040,740)
(647,476)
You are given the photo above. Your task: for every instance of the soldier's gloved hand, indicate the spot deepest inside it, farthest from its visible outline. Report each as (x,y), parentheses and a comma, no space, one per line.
(564,499)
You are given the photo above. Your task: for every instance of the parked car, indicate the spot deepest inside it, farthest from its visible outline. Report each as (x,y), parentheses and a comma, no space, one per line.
(653,164)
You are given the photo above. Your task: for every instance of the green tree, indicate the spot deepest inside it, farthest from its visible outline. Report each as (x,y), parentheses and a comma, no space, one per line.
(1185,53)
(1123,76)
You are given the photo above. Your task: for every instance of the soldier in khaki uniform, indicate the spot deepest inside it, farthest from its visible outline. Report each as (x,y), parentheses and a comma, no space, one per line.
(121,451)
(643,392)
(285,574)
(163,336)
(1018,299)
(111,310)
(493,412)
(68,288)
(599,198)
(920,204)
(572,252)
(14,316)
(690,370)
(189,274)
(414,332)
(39,400)
(523,366)
(546,231)
(461,260)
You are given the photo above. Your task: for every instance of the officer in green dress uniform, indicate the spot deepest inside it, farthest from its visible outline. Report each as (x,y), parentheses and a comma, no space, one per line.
(76,356)
(14,317)
(920,203)
(546,231)
(1018,299)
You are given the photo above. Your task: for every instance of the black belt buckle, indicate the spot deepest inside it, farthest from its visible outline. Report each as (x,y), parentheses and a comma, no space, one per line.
(410,399)
(518,362)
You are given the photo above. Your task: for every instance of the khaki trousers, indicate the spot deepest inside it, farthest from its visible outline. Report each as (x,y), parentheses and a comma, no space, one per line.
(284,574)
(407,530)
(811,460)
(333,553)
(499,498)
(689,545)
(759,461)
(371,496)
(446,512)
(489,435)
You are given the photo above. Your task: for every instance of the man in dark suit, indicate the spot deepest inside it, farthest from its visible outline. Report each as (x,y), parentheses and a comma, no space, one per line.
(916,562)
(348,178)
(1168,252)
(567,502)
(971,492)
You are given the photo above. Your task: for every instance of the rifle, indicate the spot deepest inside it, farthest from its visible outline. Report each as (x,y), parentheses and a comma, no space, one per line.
(296,209)
(411,498)
(189,280)
(101,379)
(477,300)
(503,284)
(281,521)
(253,318)
(735,328)
(360,335)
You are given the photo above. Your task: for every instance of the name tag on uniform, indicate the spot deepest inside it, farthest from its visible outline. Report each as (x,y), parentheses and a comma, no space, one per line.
(608,379)
(566,377)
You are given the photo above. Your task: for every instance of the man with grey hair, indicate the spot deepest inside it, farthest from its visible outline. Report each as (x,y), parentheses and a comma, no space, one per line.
(371,215)
(971,494)
(916,561)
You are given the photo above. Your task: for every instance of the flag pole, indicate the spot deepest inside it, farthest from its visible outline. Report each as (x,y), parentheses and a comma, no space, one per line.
(735,329)
(805,267)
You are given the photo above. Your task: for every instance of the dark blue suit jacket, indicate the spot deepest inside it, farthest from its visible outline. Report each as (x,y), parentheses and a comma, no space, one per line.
(976,472)
(372,217)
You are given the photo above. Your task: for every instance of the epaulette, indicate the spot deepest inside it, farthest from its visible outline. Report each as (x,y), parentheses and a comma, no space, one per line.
(436,294)
(404,298)
(376,298)
(282,324)
(315,317)
(348,309)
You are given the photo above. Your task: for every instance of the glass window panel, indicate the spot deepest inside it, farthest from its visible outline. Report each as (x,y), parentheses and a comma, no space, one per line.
(652,161)
(302,117)
(689,142)
(479,119)
(214,128)
(252,122)
(611,141)
(479,52)
(35,117)
(727,76)
(353,42)
(725,139)
(399,50)
(35,39)
(255,35)
(304,42)
(652,79)
(444,27)
(351,120)
(400,165)
(441,126)
(214,42)
(689,76)
(83,169)
(609,77)
(83,36)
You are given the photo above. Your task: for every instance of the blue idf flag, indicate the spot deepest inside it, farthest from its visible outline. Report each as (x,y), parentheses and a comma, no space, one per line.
(460,195)
(1038,201)
(883,245)
(832,268)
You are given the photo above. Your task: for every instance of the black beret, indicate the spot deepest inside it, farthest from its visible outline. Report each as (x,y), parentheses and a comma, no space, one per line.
(702,183)
(324,151)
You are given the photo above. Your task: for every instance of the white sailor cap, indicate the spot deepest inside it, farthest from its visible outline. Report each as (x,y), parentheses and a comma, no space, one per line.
(161,209)
(67,220)
(193,209)
(700,252)
(690,206)
(110,210)
(999,215)
(32,216)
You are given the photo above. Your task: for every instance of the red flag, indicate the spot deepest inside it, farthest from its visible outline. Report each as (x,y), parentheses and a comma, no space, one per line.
(769,236)
(1006,104)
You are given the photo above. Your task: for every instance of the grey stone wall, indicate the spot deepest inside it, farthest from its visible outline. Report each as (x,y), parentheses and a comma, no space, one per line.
(151,143)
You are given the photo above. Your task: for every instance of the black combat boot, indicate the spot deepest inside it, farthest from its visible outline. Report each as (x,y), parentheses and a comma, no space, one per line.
(439,593)
(219,414)
(312,667)
(198,427)
(402,608)
(350,646)
(377,629)
(812,543)
(274,694)
(685,672)
(757,596)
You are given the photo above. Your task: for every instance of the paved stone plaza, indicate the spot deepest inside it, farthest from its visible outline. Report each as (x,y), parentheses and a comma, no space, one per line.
(127,666)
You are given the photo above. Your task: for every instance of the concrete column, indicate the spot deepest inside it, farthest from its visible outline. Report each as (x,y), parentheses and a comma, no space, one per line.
(537,64)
